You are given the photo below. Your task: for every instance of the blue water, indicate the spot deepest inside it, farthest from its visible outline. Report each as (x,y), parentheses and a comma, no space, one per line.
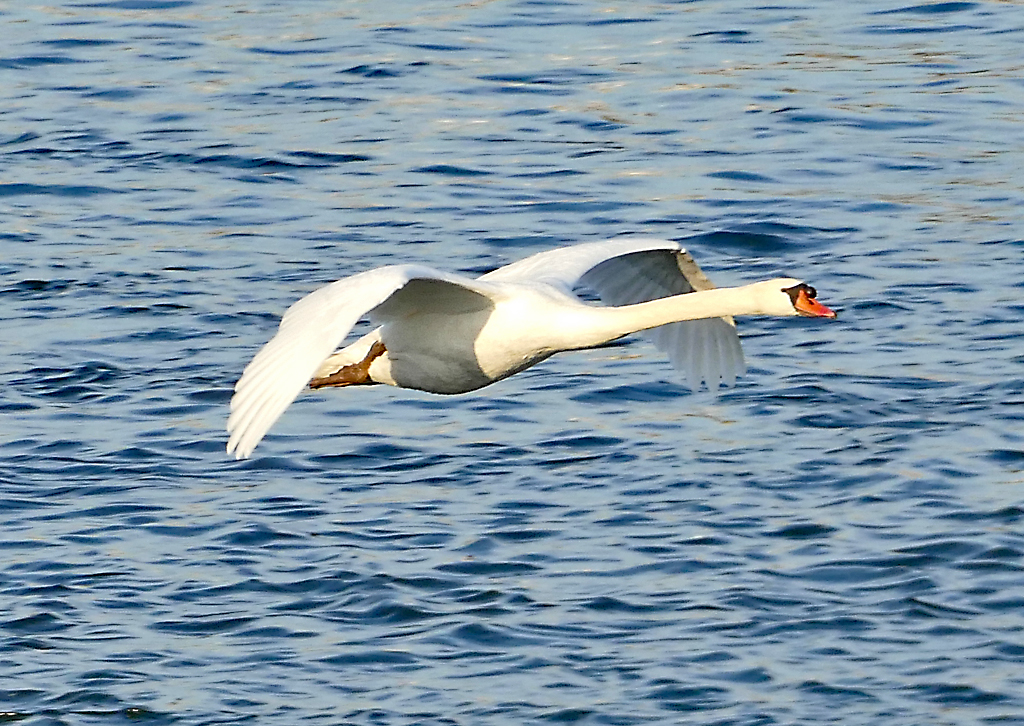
(837,539)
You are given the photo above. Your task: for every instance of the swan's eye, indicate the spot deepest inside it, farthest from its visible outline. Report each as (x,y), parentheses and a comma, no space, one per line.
(795,291)
(804,288)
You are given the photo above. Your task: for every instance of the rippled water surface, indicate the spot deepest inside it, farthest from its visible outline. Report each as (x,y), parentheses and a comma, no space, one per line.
(837,539)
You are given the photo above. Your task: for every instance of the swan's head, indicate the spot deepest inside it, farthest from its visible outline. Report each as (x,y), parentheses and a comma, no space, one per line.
(786,296)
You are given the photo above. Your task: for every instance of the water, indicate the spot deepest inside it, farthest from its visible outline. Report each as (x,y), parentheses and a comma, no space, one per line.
(835,540)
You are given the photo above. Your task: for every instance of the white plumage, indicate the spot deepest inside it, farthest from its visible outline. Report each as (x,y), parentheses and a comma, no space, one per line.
(446,333)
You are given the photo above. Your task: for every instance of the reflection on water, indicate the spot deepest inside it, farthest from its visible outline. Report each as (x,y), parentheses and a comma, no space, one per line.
(588,541)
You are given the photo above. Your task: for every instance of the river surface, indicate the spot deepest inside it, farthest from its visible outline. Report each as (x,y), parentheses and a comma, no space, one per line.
(836,539)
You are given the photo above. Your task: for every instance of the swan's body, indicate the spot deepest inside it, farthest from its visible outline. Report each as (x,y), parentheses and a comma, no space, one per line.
(446,333)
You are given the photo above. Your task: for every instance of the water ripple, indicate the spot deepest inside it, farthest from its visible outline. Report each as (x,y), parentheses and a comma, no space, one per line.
(836,534)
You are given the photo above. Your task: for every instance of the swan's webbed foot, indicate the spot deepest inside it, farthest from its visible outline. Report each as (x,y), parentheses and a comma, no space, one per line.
(352,375)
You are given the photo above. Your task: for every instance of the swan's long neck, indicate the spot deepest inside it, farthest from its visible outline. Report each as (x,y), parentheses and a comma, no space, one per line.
(614,322)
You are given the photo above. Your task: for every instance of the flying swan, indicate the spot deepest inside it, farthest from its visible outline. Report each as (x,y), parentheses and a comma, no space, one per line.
(445,333)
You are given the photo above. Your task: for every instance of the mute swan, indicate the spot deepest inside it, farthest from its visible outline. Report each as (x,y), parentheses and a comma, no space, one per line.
(446,333)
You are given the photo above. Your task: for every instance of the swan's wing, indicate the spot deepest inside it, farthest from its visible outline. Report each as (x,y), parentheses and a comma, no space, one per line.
(564,267)
(629,270)
(315,326)
(707,351)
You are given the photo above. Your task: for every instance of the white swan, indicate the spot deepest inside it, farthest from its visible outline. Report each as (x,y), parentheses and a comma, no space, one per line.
(447,333)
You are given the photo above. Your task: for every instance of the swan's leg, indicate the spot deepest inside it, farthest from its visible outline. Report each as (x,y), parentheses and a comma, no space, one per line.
(352,375)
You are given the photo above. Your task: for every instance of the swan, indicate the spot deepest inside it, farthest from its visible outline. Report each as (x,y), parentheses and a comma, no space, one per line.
(446,333)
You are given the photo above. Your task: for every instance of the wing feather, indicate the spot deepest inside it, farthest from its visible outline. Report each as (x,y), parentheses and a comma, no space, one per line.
(706,351)
(563,267)
(311,330)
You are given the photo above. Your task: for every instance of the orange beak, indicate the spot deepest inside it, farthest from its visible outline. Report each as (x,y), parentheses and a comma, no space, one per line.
(809,307)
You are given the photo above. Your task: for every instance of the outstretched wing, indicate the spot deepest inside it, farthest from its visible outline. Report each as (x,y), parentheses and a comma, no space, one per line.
(565,266)
(631,270)
(315,326)
(707,351)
